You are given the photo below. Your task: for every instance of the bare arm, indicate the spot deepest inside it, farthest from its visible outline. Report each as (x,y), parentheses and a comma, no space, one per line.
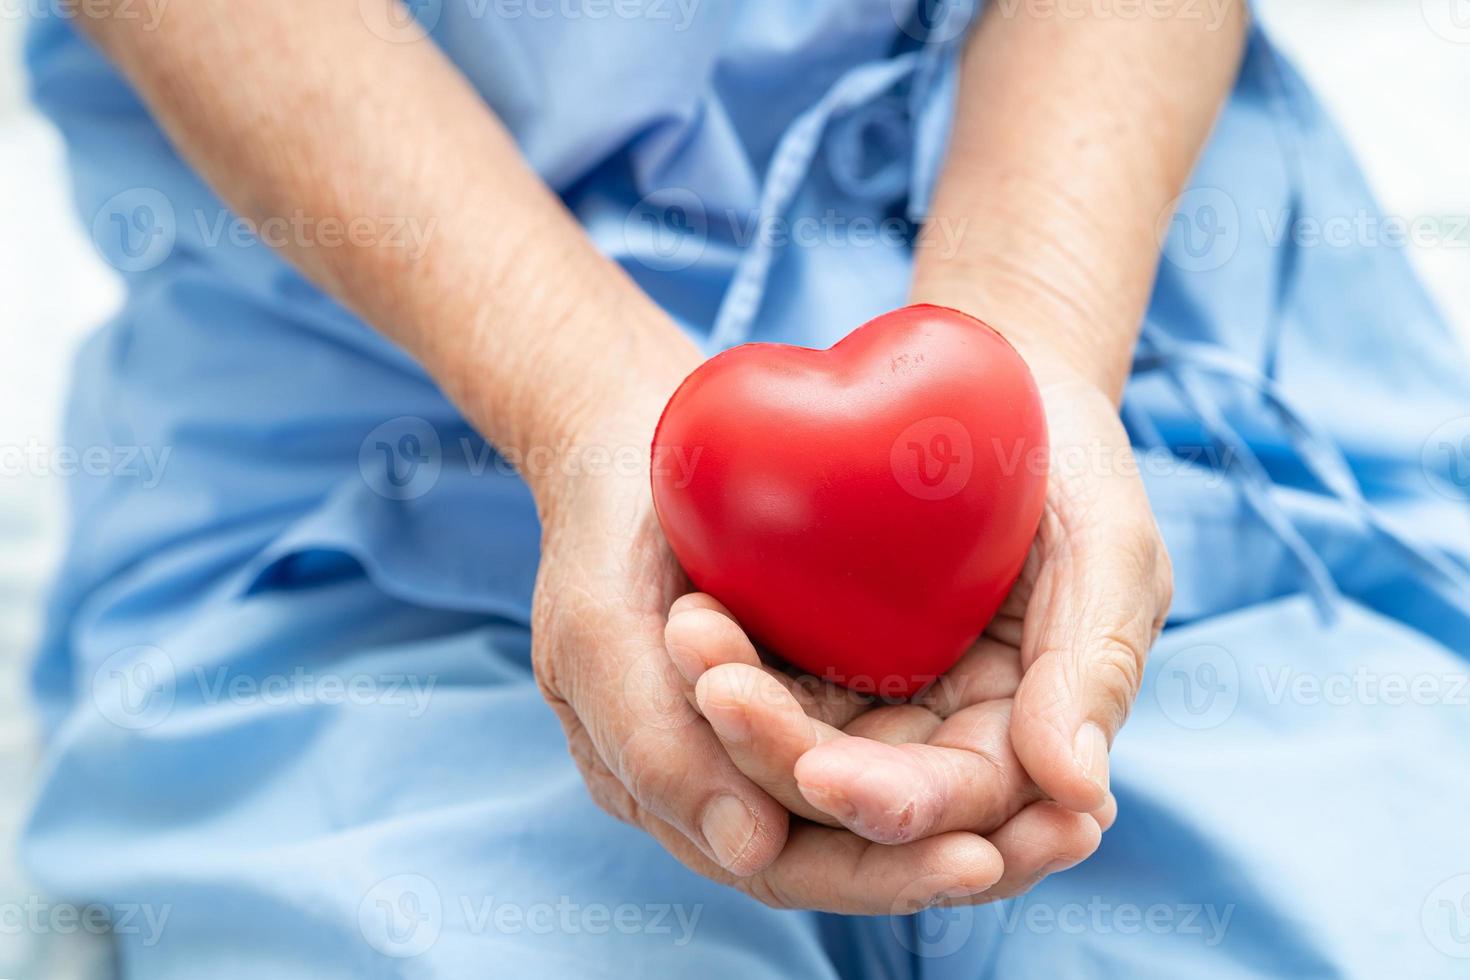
(1075,129)
(289,107)
(1071,137)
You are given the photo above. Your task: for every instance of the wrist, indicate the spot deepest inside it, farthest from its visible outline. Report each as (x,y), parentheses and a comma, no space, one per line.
(1060,340)
(576,417)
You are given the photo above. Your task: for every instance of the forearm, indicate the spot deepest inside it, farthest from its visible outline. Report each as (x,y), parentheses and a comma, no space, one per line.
(297,108)
(1072,136)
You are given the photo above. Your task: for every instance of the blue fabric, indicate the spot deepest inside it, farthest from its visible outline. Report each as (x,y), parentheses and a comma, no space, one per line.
(285,677)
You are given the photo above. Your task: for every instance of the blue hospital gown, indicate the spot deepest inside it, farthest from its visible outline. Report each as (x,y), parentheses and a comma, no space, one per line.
(286,681)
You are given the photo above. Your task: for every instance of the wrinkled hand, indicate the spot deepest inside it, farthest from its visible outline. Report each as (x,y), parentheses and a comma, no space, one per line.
(606,583)
(1013,742)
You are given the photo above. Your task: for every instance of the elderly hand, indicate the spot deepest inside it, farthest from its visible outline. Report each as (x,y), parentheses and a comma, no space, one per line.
(606,584)
(1013,742)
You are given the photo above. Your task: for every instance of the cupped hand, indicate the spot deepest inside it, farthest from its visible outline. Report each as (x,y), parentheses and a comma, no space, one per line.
(1013,741)
(604,589)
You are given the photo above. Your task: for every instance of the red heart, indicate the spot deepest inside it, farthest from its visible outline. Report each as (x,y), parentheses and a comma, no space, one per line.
(862,510)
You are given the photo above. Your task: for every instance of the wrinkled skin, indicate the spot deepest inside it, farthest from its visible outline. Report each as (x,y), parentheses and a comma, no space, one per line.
(974,791)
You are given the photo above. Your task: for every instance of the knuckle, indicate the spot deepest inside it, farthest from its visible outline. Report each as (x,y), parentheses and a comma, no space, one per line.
(1164,579)
(761,888)
(645,766)
(1116,665)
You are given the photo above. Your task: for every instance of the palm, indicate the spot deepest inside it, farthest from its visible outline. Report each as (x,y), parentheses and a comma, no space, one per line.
(1095,585)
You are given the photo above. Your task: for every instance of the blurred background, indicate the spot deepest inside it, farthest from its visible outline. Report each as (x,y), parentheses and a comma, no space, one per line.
(1395,73)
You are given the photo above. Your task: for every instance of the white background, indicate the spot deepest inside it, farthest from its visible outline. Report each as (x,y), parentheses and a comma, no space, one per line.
(1396,73)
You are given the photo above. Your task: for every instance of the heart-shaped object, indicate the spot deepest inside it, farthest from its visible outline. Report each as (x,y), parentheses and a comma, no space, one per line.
(862,510)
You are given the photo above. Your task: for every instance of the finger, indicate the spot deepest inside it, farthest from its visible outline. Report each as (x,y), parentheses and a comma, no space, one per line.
(1041,840)
(1100,594)
(763,729)
(668,761)
(895,724)
(699,600)
(698,637)
(835,871)
(701,634)
(967,778)
(989,671)
(1106,814)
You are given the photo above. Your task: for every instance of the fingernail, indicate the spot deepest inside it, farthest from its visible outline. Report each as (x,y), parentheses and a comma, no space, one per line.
(1057,866)
(1090,750)
(686,661)
(730,722)
(728,826)
(828,801)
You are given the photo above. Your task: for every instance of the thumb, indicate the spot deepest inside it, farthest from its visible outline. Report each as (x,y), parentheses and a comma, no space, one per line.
(1101,593)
